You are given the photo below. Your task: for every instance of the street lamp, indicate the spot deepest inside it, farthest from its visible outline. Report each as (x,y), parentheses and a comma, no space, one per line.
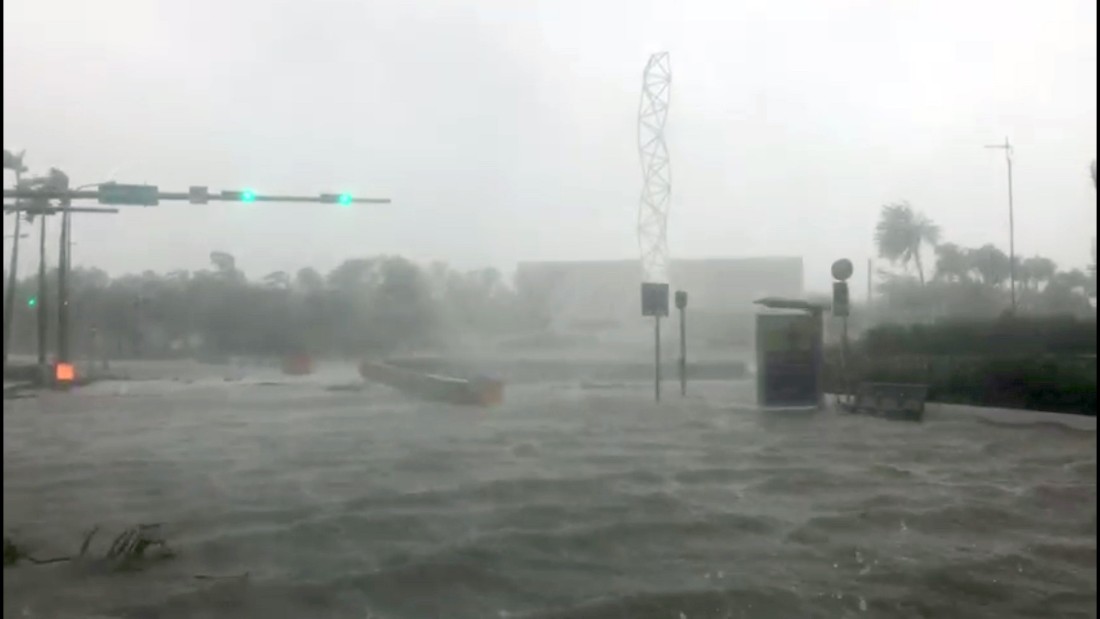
(1007,147)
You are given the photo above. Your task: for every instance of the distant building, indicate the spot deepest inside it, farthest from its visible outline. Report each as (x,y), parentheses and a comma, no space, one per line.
(606,293)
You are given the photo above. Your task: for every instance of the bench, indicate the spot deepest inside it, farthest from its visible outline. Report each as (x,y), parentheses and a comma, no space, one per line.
(890,400)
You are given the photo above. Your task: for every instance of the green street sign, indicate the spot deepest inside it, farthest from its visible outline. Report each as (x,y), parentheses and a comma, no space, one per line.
(134,195)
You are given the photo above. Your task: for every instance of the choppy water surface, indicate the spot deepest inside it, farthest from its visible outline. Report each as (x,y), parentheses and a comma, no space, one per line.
(563,503)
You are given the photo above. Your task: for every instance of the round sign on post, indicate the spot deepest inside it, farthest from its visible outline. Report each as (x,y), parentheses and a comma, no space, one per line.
(842,269)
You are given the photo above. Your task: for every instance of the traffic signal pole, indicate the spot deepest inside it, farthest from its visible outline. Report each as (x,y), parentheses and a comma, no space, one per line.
(43,329)
(9,301)
(111,194)
(63,288)
(13,278)
(40,208)
(14,163)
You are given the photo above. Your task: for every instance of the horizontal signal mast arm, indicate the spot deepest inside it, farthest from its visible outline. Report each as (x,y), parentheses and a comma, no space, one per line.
(224,196)
(235,197)
(51,210)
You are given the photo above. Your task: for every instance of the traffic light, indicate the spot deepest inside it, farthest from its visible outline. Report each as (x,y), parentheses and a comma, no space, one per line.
(32,301)
(343,199)
(244,195)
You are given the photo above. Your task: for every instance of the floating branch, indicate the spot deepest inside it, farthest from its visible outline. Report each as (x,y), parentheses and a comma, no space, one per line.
(125,552)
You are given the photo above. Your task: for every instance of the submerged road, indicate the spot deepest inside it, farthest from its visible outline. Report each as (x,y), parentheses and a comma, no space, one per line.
(565,502)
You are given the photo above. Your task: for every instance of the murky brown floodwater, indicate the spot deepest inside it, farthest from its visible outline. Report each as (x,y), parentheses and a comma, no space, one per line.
(565,502)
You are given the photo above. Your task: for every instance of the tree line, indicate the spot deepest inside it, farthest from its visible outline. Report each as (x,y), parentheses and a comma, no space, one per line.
(969,282)
(380,305)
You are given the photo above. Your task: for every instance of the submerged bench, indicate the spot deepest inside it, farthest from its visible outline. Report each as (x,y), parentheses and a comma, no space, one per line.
(891,400)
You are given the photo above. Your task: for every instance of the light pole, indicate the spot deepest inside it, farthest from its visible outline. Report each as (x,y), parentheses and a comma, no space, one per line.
(1007,147)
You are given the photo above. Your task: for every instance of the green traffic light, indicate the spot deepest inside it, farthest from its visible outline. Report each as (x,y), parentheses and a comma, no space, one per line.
(31,302)
(248,196)
(344,199)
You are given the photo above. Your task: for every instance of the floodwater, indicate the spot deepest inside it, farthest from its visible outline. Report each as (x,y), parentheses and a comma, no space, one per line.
(565,502)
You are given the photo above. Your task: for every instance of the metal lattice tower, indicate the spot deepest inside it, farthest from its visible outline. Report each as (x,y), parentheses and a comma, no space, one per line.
(656,173)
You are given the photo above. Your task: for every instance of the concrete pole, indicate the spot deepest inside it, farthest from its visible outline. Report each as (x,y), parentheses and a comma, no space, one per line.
(13,279)
(63,287)
(657,358)
(1007,147)
(1011,228)
(683,352)
(870,270)
(43,316)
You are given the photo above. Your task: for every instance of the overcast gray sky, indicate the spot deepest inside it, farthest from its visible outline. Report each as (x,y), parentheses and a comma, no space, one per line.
(505,130)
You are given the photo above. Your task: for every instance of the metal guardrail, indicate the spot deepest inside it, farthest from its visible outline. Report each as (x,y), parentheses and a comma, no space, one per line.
(891,400)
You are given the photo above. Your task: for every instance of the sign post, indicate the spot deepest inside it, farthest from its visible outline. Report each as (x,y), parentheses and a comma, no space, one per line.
(655,303)
(842,270)
(681,304)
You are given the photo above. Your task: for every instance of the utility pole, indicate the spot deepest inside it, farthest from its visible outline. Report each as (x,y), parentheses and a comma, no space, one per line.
(63,286)
(64,271)
(56,180)
(870,267)
(9,301)
(43,329)
(1007,147)
(15,164)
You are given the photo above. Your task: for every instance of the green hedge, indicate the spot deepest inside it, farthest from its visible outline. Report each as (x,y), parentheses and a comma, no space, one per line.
(1006,336)
(1064,384)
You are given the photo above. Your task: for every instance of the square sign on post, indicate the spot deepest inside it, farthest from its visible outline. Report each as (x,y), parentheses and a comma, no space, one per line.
(198,194)
(654,299)
(134,195)
(840,299)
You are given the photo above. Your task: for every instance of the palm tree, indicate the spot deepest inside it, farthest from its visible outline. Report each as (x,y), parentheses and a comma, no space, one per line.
(355,274)
(901,232)
(1038,270)
(952,263)
(309,280)
(277,279)
(991,264)
(1072,280)
(225,263)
